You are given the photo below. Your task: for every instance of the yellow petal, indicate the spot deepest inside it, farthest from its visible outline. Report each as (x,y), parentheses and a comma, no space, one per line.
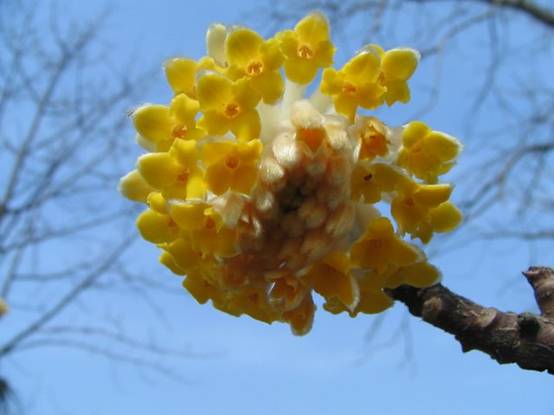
(185,153)
(414,132)
(288,43)
(363,68)
(432,194)
(244,95)
(324,54)
(181,75)
(313,29)
(373,302)
(214,122)
(442,146)
(218,178)
(184,109)
(156,227)
(167,260)
(332,81)
(214,92)
(445,217)
(153,122)
(250,152)
(134,187)
(243,178)
(301,71)
(157,202)
(399,64)
(330,282)
(196,185)
(270,85)
(346,105)
(271,55)
(198,288)
(247,125)
(421,274)
(184,256)
(397,92)
(242,46)
(302,317)
(159,169)
(215,151)
(188,216)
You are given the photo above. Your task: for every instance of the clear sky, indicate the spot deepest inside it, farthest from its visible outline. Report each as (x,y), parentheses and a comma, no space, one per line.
(250,368)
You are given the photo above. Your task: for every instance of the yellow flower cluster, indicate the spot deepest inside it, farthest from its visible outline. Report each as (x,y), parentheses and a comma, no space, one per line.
(260,196)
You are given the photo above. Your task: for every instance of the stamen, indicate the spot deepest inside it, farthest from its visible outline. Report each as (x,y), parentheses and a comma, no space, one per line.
(349,89)
(305,52)
(232,110)
(179,131)
(255,68)
(232,162)
(183,176)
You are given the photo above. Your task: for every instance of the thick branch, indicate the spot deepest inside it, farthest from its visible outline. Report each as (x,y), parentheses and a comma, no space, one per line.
(525,339)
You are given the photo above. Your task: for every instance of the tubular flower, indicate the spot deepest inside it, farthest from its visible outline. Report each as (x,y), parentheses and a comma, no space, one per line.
(425,153)
(307,48)
(249,56)
(158,126)
(261,198)
(370,78)
(228,105)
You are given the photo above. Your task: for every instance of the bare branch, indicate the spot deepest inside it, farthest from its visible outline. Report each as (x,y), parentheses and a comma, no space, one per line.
(525,339)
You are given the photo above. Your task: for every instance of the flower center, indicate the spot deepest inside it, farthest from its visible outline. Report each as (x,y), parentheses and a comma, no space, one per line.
(349,88)
(232,110)
(305,52)
(183,176)
(179,131)
(254,68)
(209,223)
(232,162)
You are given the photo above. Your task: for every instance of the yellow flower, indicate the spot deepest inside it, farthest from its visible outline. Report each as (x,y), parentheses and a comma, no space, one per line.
(421,210)
(306,48)
(379,248)
(287,293)
(248,55)
(134,187)
(398,65)
(331,278)
(160,125)
(356,84)
(157,227)
(260,196)
(229,105)
(302,317)
(181,73)
(370,180)
(175,173)
(426,153)
(205,228)
(373,138)
(372,298)
(231,165)
(421,274)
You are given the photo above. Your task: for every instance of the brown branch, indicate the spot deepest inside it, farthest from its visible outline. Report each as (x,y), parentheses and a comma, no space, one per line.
(525,339)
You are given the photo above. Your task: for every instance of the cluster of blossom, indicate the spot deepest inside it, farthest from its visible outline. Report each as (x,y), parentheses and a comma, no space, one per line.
(260,196)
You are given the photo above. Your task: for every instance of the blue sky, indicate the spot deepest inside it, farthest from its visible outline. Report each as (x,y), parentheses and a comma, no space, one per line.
(252,368)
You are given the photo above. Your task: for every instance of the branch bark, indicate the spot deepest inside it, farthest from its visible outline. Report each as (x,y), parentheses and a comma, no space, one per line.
(525,339)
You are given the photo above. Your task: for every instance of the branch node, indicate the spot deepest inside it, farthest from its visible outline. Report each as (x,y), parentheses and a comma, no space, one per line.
(528,325)
(542,282)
